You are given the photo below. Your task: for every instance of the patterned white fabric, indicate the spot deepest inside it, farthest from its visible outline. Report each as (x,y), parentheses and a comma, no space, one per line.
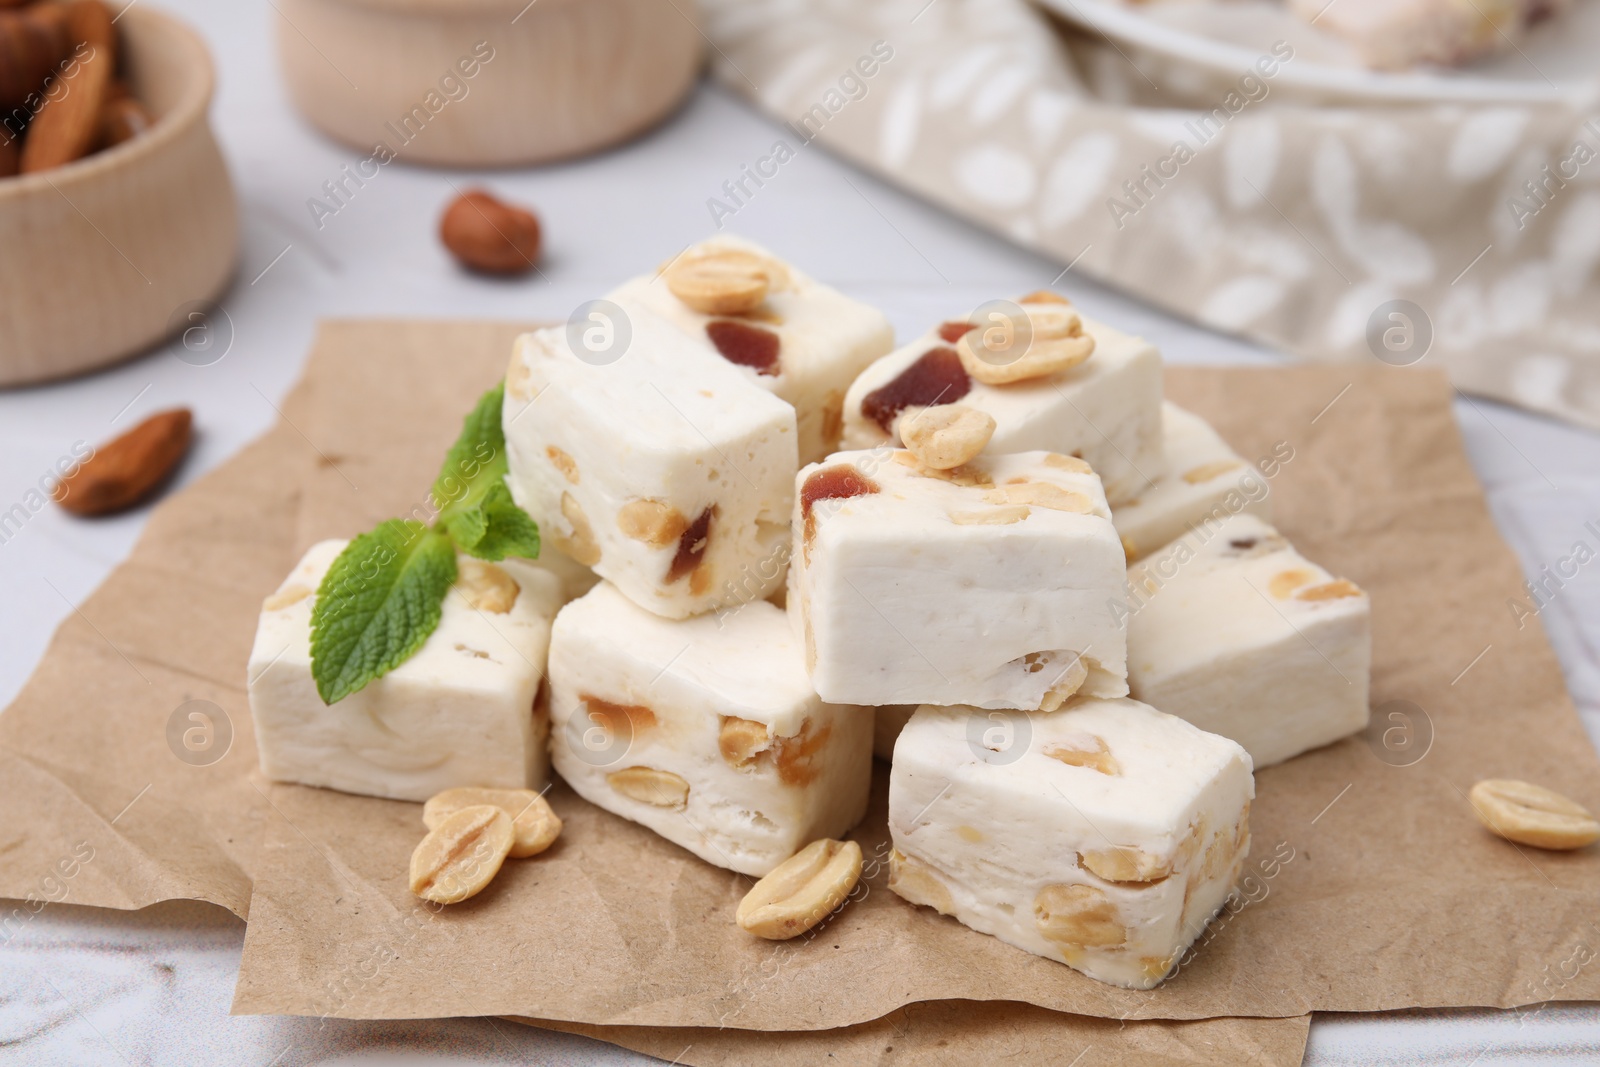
(1226,200)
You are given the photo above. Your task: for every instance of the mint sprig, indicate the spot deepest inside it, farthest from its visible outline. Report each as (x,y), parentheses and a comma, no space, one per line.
(383,596)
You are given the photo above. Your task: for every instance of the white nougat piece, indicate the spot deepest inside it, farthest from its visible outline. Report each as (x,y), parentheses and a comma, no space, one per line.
(1205,480)
(1106,410)
(666,469)
(704,730)
(805,343)
(1235,631)
(461,711)
(1000,584)
(1104,836)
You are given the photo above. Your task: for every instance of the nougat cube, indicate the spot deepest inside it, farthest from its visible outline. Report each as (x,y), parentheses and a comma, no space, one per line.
(663,467)
(1106,410)
(999,584)
(1205,481)
(1235,631)
(704,730)
(805,342)
(463,710)
(1104,836)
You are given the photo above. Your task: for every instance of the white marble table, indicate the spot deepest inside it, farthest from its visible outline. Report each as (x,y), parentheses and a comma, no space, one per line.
(82,985)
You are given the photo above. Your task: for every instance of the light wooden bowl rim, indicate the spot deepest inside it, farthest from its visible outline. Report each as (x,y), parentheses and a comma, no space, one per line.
(447,8)
(190,109)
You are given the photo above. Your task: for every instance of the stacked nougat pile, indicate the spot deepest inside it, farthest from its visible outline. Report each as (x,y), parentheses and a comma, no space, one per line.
(983,541)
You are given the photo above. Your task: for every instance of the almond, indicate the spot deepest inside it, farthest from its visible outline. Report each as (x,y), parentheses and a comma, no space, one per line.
(489,235)
(122,119)
(67,124)
(33,42)
(125,471)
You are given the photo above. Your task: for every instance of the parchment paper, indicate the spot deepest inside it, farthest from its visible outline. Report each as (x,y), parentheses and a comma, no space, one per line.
(962,1033)
(1373,885)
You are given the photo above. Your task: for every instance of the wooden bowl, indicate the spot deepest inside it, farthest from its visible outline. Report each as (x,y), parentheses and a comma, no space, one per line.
(486,82)
(96,257)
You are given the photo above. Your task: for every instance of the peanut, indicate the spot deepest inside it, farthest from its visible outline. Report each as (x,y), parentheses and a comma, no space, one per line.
(1042,495)
(654,522)
(1125,863)
(723,282)
(462,854)
(946,436)
(742,740)
(1001,516)
(488,235)
(647,785)
(1070,679)
(562,461)
(581,545)
(1532,815)
(534,827)
(1334,590)
(914,880)
(1078,916)
(486,587)
(1286,582)
(1067,463)
(1058,344)
(1085,751)
(802,890)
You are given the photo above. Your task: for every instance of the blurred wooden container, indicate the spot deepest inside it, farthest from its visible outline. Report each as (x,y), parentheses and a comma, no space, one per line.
(98,255)
(549,79)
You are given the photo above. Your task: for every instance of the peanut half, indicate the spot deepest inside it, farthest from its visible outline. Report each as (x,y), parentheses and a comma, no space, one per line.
(802,890)
(462,854)
(1532,815)
(534,827)
(1058,343)
(1078,916)
(725,282)
(486,587)
(648,785)
(946,436)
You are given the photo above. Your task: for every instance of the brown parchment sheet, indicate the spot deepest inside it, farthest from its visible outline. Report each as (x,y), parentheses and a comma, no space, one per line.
(1371,885)
(961,1033)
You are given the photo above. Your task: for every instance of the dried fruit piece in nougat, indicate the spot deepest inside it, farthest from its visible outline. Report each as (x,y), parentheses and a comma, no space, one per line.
(1204,480)
(1106,410)
(999,584)
(1105,835)
(794,336)
(1234,630)
(461,711)
(705,730)
(662,466)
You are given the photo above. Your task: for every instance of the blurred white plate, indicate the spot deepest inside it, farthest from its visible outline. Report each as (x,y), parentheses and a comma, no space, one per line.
(1557,62)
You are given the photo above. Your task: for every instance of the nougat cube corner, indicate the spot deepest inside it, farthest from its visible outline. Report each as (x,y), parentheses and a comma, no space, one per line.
(660,466)
(463,710)
(805,343)
(1000,584)
(1104,836)
(704,730)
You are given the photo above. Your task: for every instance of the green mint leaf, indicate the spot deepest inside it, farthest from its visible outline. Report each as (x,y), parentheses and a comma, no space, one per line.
(508,530)
(378,604)
(476,462)
(467,528)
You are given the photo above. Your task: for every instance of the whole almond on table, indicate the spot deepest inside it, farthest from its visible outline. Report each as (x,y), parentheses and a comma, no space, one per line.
(123,472)
(1533,815)
(462,854)
(489,235)
(66,127)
